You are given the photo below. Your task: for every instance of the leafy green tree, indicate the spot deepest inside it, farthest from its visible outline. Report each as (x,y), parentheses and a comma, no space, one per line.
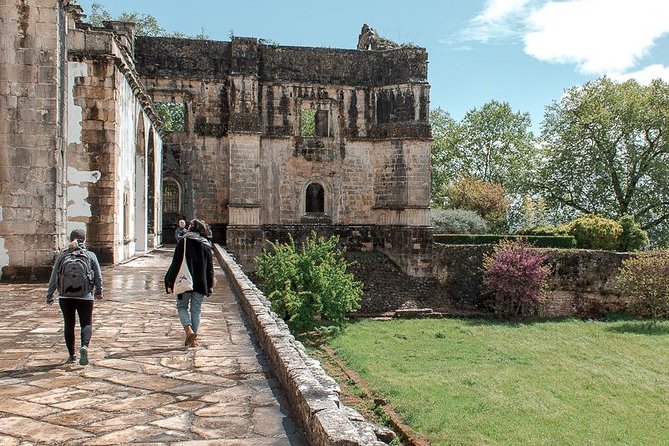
(172,114)
(146,24)
(633,237)
(308,123)
(595,232)
(457,221)
(310,287)
(607,152)
(644,280)
(492,143)
(445,161)
(485,198)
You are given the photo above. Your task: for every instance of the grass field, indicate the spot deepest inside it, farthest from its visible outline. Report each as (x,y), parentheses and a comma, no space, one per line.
(481,382)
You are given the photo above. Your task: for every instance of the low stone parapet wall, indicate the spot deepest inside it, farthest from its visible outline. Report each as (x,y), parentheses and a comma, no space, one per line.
(410,247)
(313,394)
(582,282)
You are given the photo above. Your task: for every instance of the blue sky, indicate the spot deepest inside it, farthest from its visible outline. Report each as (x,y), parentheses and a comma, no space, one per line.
(524,52)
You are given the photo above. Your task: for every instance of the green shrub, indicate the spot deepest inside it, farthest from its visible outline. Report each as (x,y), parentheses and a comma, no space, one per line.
(644,281)
(595,232)
(515,275)
(457,221)
(633,237)
(538,230)
(539,241)
(309,288)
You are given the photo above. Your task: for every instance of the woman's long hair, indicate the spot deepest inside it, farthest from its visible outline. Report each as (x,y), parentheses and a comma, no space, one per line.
(199,226)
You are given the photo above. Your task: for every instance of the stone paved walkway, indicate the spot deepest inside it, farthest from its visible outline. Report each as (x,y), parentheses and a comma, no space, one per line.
(141,386)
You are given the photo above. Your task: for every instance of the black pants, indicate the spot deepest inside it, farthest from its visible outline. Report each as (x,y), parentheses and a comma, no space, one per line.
(70,308)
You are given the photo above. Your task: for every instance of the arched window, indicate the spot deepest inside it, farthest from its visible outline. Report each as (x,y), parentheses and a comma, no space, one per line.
(315,198)
(171,196)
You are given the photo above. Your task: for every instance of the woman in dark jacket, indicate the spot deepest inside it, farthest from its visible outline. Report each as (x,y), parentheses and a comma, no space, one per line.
(201,267)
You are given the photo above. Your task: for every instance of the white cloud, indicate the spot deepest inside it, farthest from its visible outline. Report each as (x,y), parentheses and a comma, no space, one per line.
(645,75)
(497,10)
(497,21)
(600,36)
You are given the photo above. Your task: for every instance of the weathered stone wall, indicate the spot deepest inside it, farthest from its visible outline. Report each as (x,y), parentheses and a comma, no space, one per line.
(169,58)
(110,135)
(32,205)
(582,282)
(408,247)
(370,154)
(197,159)
(341,66)
(74,140)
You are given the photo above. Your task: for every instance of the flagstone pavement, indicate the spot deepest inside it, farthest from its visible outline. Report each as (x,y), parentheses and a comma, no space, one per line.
(142,386)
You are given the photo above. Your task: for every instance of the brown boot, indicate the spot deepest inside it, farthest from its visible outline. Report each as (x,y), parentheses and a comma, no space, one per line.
(190,335)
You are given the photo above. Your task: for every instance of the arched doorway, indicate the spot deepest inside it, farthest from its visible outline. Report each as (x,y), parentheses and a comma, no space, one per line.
(172,207)
(314,199)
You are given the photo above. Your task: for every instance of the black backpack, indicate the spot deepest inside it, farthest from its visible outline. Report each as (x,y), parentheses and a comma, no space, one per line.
(75,275)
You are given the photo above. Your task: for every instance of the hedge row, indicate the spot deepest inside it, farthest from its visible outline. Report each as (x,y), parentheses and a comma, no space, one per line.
(540,241)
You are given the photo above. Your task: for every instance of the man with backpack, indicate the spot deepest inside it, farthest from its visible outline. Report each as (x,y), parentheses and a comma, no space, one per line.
(76,274)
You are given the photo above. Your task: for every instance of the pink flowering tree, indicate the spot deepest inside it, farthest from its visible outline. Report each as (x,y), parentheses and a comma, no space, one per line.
(515,275)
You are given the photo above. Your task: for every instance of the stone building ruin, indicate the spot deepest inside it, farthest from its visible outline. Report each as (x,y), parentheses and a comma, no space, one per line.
(248,163)
(271,140)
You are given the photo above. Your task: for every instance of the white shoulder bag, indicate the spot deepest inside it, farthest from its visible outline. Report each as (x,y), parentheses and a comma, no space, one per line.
(184,280)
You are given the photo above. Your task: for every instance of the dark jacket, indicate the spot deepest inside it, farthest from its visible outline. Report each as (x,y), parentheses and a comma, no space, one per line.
(179,233)
(199,260)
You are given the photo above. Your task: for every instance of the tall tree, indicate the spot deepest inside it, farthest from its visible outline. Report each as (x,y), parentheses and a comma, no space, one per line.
(607,152)
(444,131)
(493,144)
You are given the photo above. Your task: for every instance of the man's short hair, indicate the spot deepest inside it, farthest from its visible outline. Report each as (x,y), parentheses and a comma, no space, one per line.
(78,234)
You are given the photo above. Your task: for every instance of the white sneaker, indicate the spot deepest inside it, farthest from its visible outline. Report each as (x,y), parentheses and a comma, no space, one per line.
(83,355)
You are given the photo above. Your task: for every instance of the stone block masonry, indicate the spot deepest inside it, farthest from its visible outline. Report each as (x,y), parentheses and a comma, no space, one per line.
(582,282)
(31,211)
(73,140)
(366,163)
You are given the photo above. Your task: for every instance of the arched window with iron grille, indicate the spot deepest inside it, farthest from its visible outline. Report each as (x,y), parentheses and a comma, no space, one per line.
(171,196)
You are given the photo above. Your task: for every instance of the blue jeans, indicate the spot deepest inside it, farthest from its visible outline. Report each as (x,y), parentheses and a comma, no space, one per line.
(191,318)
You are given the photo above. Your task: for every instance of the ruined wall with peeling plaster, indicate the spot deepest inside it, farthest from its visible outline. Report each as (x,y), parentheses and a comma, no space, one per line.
(118,140)
(69,158)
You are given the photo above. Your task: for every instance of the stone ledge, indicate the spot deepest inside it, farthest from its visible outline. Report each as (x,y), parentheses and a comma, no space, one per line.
(313,394)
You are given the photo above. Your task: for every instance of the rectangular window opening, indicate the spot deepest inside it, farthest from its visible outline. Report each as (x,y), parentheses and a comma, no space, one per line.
(321,124)
(173,115)
(308,123)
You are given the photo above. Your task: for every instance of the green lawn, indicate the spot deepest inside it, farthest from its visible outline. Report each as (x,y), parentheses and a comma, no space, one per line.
(474,382)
